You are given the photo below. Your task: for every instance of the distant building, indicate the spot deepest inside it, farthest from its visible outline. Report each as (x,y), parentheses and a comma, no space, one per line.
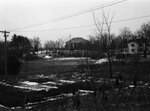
(136,46)
(77,43)
(77,46)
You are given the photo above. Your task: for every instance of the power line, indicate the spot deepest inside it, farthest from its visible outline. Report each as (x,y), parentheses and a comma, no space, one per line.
(117,21)
(72,15)
(57,29)
(145,16)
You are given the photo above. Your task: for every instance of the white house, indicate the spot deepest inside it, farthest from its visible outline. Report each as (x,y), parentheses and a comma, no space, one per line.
(136,46)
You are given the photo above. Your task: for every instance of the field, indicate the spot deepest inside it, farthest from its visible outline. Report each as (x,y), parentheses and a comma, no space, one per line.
(49,66)
(90,87)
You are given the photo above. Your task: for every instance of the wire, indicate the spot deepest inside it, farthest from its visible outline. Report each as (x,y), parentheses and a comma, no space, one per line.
(117,21)
(58,29)
(71,15)
(131,18)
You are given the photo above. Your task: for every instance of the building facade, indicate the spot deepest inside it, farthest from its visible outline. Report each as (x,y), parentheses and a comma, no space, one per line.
(77,46)
(136,46)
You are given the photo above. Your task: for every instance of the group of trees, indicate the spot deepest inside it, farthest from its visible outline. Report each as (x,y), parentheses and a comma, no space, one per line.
(55,45)
(35,44)
(20,47)
(51,45)
(17,48)
(103,42)
(100,42)
(108,42)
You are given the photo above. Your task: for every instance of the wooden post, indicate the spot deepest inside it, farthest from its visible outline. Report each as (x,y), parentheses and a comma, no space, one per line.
(5,36)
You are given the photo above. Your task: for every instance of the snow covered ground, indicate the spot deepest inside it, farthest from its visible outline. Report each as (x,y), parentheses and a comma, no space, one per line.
(34,86)
(3,108)
(100,61)
(70,58)
(47,57)
(67,81)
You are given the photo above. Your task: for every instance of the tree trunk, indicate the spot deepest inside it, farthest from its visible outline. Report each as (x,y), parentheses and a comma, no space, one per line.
(110,65)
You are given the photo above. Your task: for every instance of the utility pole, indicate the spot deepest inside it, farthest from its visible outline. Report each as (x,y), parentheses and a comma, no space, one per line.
(5,36)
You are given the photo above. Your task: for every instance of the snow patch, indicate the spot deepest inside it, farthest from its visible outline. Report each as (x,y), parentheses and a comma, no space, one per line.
(30,83)
(70,58)
(47,57)
(100,61)
(66,81)
(131,86)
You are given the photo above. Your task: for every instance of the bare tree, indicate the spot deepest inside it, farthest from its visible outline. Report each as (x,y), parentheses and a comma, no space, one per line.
(125,33)
(100,23)
(50,45)
(61,42)
(36,44)
(91,38)
(46,46)
(144,34)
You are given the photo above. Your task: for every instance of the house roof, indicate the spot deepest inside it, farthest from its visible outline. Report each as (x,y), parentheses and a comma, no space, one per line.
(78,40)
(138,41)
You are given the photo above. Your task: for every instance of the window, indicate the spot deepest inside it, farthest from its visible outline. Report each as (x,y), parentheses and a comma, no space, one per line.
(132,50)
(132,45)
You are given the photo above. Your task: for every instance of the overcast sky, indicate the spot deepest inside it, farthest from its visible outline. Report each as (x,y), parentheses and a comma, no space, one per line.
(19,16)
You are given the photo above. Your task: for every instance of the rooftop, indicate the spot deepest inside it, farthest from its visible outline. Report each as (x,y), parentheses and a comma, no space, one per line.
(78,40)
(136,40)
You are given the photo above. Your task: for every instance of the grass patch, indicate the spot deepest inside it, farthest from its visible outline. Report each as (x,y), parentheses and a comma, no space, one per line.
(46,67)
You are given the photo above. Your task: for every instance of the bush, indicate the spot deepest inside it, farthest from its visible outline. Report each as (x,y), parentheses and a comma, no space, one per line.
(13,65)
(121,56)
(31,57)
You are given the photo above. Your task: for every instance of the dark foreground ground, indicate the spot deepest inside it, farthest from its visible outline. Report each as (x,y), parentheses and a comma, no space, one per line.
(91,89)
